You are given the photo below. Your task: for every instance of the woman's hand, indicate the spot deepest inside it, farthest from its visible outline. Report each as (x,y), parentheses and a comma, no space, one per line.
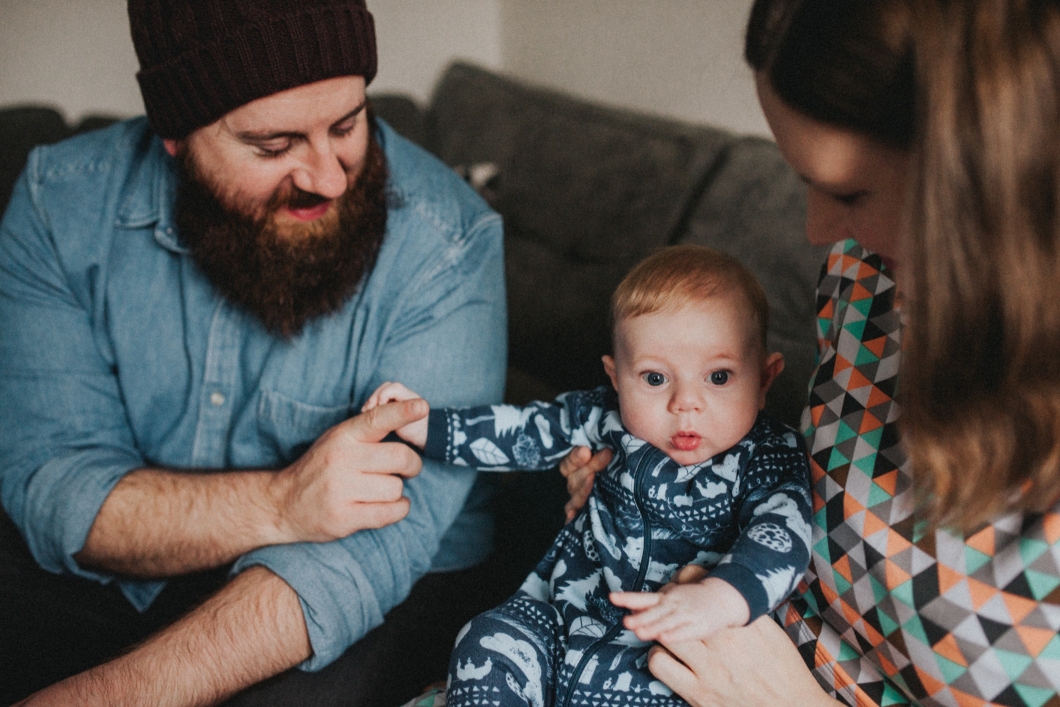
(580,468)
(753,666)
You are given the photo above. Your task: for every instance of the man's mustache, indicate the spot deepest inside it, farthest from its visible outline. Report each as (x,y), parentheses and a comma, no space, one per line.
(299,199)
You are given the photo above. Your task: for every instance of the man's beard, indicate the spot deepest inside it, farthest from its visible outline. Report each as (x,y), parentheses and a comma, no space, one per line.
(284,275)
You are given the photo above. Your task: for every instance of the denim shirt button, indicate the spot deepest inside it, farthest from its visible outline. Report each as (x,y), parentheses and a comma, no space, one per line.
(217,399)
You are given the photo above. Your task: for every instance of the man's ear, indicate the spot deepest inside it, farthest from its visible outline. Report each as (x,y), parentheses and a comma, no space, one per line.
(172,146)
(771,368)
(609,368)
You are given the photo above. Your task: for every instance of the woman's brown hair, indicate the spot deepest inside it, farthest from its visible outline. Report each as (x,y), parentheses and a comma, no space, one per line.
(981,370)
(972,90)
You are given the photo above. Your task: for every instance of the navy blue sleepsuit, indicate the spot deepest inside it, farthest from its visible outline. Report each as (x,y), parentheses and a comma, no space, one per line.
(745,513)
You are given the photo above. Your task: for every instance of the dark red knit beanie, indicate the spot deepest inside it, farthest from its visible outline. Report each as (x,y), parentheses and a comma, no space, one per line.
(200,59)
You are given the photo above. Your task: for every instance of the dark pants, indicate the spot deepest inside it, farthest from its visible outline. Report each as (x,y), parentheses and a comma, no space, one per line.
(53,626)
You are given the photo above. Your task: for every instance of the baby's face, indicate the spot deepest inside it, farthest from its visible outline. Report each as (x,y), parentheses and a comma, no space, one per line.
(691,380)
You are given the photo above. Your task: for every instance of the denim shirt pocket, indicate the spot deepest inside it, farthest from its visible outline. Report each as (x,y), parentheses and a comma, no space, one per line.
(288,427)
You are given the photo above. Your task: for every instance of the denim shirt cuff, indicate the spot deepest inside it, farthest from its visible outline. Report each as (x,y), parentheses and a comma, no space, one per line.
(338,601)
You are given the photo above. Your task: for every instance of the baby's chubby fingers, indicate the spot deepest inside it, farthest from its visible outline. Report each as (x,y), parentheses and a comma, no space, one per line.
(635,601)
(388,392)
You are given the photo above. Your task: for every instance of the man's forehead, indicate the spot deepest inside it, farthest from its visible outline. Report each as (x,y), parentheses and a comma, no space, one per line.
(298,109)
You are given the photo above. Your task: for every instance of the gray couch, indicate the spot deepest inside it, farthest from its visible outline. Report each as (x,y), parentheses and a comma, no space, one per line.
(586,191)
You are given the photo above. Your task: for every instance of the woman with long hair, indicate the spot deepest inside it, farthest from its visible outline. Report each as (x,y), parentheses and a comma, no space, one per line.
(928,134)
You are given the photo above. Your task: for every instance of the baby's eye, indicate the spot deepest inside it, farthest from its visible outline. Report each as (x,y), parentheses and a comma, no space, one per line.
(654,378)
(719,377)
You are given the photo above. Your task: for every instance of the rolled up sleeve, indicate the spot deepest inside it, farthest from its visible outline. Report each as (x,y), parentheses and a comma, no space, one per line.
(64,436)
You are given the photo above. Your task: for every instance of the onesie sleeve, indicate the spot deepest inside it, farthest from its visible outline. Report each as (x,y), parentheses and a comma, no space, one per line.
(772,551)
(511,437)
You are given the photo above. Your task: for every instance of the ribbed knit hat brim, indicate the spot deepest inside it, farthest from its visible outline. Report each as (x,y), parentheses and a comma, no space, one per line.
(214,59)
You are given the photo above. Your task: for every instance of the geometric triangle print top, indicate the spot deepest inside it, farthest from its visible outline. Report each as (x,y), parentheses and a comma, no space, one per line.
(889,614)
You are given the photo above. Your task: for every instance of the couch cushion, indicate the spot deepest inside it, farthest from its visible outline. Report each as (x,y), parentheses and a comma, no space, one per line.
(754,208)
(586,191)
(21,129)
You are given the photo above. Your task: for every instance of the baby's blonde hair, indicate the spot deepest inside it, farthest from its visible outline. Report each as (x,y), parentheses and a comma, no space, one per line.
(686,274)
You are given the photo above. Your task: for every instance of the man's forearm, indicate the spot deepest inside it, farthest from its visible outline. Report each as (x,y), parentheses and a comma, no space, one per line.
(252,629)
(162,523)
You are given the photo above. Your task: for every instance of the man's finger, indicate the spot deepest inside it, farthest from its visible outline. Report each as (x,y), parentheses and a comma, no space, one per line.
(379,515)
(377,423)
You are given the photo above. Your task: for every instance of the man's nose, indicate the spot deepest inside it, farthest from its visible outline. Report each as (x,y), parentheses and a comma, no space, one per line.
(321,172)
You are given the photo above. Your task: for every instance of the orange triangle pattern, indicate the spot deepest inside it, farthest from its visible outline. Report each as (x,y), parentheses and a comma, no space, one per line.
(889,481)
(1035,639)
(983,541)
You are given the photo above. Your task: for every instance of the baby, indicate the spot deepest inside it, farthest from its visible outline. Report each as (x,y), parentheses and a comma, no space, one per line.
(699,476)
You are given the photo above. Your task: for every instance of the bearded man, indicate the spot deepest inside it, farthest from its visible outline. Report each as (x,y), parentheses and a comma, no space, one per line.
(193,305)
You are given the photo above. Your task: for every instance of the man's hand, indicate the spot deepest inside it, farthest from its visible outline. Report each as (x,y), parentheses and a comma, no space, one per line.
(683,612)
(413,433)
(580,467)
(158,523)
(350,480)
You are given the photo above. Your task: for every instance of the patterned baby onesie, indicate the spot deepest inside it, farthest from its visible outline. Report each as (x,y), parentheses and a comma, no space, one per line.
(559,641)
(890,614)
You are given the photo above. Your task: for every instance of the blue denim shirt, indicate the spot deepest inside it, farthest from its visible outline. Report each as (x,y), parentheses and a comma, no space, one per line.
(116,354)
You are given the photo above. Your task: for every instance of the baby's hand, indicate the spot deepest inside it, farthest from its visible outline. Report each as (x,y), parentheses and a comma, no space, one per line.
(415,432)
(683,612)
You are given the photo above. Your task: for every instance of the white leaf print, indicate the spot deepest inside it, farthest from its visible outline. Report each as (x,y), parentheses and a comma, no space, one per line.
(508,419)
(488,453)
(587,626)
(543,431)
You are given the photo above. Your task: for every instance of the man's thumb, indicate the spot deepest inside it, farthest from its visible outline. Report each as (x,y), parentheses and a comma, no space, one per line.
(377,423)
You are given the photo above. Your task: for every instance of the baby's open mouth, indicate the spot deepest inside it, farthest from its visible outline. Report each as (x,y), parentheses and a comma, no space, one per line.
(686,441)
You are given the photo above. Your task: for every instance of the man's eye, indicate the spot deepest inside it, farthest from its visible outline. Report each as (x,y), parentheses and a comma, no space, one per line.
(654,379)
(719,377)
(270,154)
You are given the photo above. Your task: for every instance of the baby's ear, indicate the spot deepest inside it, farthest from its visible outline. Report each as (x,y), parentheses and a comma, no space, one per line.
(771,368)
(609,368)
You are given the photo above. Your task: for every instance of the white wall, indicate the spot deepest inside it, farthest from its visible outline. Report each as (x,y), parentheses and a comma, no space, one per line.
(418,38)
(72,54)
(680,58)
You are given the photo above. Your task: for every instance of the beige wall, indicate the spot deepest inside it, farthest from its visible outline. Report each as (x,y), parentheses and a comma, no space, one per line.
(679,58)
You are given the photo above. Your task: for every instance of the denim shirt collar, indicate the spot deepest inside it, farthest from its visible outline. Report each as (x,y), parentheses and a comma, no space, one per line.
(151,197)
